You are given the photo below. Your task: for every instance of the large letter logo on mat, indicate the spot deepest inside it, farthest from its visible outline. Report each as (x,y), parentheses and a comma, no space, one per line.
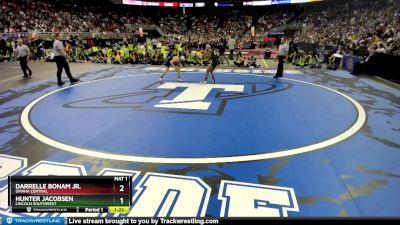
(182,98)
(260,200)
(193,96)
(163,195)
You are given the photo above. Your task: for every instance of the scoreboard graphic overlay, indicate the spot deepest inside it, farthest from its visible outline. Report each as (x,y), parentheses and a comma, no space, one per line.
(69,194)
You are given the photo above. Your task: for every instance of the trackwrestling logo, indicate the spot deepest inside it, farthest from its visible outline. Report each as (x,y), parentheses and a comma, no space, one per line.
(182,97)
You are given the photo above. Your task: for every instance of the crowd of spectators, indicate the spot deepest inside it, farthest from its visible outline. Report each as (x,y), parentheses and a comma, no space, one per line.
(351,26)
(205,29)
(46,16)
(356,27)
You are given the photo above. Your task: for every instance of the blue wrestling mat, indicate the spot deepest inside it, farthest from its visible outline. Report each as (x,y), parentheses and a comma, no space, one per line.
(310,144)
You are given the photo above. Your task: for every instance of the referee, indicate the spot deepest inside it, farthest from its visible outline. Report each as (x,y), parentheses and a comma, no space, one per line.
(23,53)
(60,58)
(282,55)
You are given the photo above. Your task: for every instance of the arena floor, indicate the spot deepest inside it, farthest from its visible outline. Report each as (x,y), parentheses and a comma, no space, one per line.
(316,143)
